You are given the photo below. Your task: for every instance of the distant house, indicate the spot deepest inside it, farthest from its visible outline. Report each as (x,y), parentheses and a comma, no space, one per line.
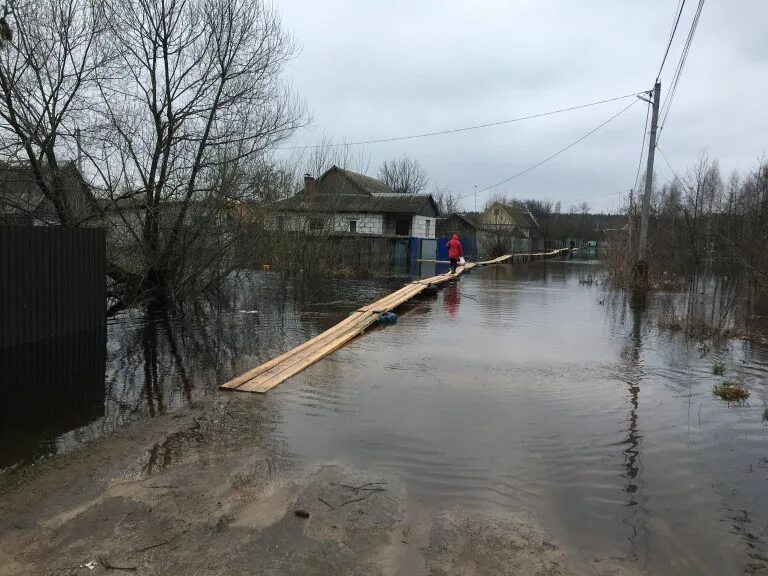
(462,224)
(345,202)
(22,202)
(508,228)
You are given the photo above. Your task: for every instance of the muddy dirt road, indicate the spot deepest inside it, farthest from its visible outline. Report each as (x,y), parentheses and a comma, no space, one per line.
(206,492)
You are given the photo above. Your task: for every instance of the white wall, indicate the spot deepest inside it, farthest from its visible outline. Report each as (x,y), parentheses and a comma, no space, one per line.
(366,223)
(423,227)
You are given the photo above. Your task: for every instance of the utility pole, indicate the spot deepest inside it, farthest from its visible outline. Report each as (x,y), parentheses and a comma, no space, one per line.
(475,197)
(643,240)
(631,216)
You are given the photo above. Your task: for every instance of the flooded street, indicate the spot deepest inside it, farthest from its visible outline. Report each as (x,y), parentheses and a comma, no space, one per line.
(519,387)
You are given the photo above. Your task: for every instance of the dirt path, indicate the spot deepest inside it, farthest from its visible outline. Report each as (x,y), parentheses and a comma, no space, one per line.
(209,492)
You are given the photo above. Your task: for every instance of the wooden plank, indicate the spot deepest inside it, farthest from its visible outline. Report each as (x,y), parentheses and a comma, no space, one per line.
(297,354)
(235,382)
(261,384)
(382,302)
(271,373)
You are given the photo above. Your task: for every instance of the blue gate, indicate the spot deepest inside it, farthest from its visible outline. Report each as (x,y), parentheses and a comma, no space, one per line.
(468,245)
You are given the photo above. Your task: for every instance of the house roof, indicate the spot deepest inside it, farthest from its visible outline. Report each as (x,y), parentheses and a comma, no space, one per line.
(20,194)
(365,184)
(390,203)
(519,213)
(356,192)
(465,218)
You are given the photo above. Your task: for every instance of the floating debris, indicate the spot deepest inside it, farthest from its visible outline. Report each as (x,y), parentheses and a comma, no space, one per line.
(301,513)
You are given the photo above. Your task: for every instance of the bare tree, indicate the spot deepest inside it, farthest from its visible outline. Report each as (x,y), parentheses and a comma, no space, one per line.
(322,156)
(194,94)
(447,201)
(544,212)
(404,175)
(48,68)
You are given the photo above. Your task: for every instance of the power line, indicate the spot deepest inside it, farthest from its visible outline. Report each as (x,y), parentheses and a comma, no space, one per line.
(680,67)
(464,129)
(666,161)
(681,5)
(642,147)
(556,154)
(595,197)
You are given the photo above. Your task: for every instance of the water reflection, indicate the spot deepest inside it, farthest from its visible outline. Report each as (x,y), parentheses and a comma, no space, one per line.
(61,393)
(636,517)
(48,388)
(515,387)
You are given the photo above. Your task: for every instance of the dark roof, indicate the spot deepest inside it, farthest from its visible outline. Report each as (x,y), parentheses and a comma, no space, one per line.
(20,194)
(365,184)
(339,190)
(464,218)
(390,203)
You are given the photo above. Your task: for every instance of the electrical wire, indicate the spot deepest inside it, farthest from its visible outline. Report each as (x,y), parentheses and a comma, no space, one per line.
(464,129)
(680,67)
(642,147)
(594,197)
(555,155)
(680,5)
(666,161)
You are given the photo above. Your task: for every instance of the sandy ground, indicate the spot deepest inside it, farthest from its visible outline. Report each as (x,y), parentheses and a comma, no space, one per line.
(207,492)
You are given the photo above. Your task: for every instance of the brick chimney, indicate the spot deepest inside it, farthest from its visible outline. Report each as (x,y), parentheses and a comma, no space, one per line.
(309,187)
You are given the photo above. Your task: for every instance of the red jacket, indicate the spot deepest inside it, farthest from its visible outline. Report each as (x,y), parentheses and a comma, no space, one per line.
(454,248)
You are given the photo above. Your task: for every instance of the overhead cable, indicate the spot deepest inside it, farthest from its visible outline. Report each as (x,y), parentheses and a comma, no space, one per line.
(463,129)
(555,155)
(680,6)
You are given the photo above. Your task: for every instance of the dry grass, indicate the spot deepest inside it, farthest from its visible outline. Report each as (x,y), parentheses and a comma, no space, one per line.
(731,391)
(700,328)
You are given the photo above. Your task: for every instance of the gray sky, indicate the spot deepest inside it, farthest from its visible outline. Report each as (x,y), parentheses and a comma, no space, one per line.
(379,69)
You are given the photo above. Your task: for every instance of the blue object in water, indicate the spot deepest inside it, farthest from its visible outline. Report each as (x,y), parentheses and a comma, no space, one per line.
(388,318)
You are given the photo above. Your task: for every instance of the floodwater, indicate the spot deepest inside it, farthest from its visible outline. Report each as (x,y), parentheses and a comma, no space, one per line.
(517,387)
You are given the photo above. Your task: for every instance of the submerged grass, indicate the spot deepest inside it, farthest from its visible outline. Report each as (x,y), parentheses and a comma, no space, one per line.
(731,391)
(765,412)
(718,369)
(700,328)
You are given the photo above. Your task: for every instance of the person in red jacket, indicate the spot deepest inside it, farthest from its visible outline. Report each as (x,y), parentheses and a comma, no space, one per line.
(454,252)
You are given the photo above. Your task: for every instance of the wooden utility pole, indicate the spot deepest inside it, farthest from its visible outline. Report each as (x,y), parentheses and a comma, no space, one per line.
(643,240)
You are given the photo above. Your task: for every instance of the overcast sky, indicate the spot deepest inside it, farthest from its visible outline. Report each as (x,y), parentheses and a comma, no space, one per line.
(379,69)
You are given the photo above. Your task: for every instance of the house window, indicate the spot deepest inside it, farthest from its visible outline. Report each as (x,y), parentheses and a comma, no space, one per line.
(316,223)
(403,227)
(353,226)
(495,211)
(428,228)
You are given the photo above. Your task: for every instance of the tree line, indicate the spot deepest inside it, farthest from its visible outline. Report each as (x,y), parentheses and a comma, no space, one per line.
(701,222)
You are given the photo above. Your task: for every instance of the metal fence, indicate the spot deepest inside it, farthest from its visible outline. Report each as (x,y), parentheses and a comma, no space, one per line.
(52,282)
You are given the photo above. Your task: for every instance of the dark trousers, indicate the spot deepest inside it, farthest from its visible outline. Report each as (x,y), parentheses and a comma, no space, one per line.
(454,263)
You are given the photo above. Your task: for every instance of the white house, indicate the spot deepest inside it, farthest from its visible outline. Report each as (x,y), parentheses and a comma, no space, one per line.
(345,202)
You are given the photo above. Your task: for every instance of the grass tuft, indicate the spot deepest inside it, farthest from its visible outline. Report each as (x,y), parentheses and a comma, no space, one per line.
(718,369)
(731,391)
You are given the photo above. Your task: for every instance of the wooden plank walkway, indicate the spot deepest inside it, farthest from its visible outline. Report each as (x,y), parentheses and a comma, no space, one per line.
(506,257)
(278,370)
